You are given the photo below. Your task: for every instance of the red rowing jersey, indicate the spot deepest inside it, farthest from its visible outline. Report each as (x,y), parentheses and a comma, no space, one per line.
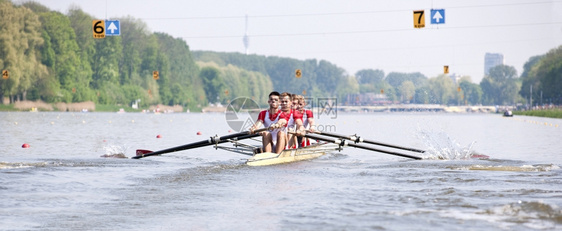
(288,116)
(303,116)
(268,118)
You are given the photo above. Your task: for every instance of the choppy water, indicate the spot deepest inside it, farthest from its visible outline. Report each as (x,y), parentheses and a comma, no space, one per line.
(62,183)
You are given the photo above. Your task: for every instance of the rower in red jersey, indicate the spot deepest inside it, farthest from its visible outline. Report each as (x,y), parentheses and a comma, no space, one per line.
(307,118)
(267,118)
(286,123)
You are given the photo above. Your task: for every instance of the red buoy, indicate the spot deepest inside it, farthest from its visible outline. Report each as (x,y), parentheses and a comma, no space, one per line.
(199,133)
(159,136)
(25,145)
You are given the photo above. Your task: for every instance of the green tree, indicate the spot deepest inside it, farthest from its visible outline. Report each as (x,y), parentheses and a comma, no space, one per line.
(407,91)
(369,76)
(442,90)
(106,70)
(472,93)
(73,74)
(500,87)
(545,76)
(183,71)
(20,38)
(213,83)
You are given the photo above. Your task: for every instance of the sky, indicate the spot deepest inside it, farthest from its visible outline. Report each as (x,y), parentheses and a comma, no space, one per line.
(352,34)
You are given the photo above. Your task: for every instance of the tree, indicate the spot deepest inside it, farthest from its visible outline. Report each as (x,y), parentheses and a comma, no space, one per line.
(500,87)
(20,38)
(472,93)
(73,74)
(407,91)
(369,76)
(441,89)
(213,83)
(545,76)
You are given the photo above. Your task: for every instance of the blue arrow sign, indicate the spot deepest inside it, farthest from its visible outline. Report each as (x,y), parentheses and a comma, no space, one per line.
(112,28)
(437,16)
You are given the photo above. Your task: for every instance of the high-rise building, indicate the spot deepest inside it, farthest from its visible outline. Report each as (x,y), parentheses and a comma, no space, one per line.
(492,60)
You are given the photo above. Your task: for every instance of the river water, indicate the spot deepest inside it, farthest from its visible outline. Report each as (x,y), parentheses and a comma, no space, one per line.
(62,183)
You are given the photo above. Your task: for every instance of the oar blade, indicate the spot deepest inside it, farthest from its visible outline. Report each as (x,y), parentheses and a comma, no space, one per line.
(141,152)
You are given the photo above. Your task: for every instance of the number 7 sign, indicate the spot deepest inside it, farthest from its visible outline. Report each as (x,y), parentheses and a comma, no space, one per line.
(419,19)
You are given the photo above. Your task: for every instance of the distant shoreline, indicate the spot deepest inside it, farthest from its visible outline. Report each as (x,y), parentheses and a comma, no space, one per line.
(549,113)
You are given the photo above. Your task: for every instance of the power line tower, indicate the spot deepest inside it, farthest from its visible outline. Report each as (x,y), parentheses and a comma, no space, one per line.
(246,39)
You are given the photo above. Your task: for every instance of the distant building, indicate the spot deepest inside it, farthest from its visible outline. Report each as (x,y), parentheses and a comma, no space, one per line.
(492,60)
(367,99)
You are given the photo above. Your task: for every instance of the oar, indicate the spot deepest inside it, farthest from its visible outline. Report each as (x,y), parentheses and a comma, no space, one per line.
(358,139)
(212,140)
(341,143)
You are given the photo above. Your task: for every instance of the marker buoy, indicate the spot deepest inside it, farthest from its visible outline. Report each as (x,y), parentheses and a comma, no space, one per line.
(25,145)
(199,133)
(159,136)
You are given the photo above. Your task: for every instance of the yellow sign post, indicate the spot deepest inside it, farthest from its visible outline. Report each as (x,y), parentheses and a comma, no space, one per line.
(5,74)
(155,75)
(419,19)
(298,73)
(98,28)
(446,69)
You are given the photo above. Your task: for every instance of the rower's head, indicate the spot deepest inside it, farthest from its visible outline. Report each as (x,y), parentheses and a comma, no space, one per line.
(285,101)
(301,102)
(295,100)
(273,100)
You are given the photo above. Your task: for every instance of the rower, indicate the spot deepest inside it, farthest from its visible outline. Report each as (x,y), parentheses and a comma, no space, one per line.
(307,118)
(267,118)
(286,123)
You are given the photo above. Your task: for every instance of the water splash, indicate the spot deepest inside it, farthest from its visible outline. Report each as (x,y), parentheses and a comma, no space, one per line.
(442,146)
(114,151)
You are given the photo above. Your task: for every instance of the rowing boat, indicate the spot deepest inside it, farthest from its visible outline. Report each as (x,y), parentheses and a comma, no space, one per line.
(291,155)
(326,143)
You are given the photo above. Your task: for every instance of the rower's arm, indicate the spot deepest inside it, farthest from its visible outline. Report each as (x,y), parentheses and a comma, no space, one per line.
(312,124)
(279,124)
(300,129)
(256,126)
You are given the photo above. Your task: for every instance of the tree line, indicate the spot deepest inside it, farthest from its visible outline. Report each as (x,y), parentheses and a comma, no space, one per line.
(502,86)
(53,57)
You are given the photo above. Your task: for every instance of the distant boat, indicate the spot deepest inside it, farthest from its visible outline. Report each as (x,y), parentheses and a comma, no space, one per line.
(508,114)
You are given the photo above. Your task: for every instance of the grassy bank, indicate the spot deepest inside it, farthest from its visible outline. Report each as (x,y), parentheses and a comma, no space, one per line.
(551,113)
(8,107)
